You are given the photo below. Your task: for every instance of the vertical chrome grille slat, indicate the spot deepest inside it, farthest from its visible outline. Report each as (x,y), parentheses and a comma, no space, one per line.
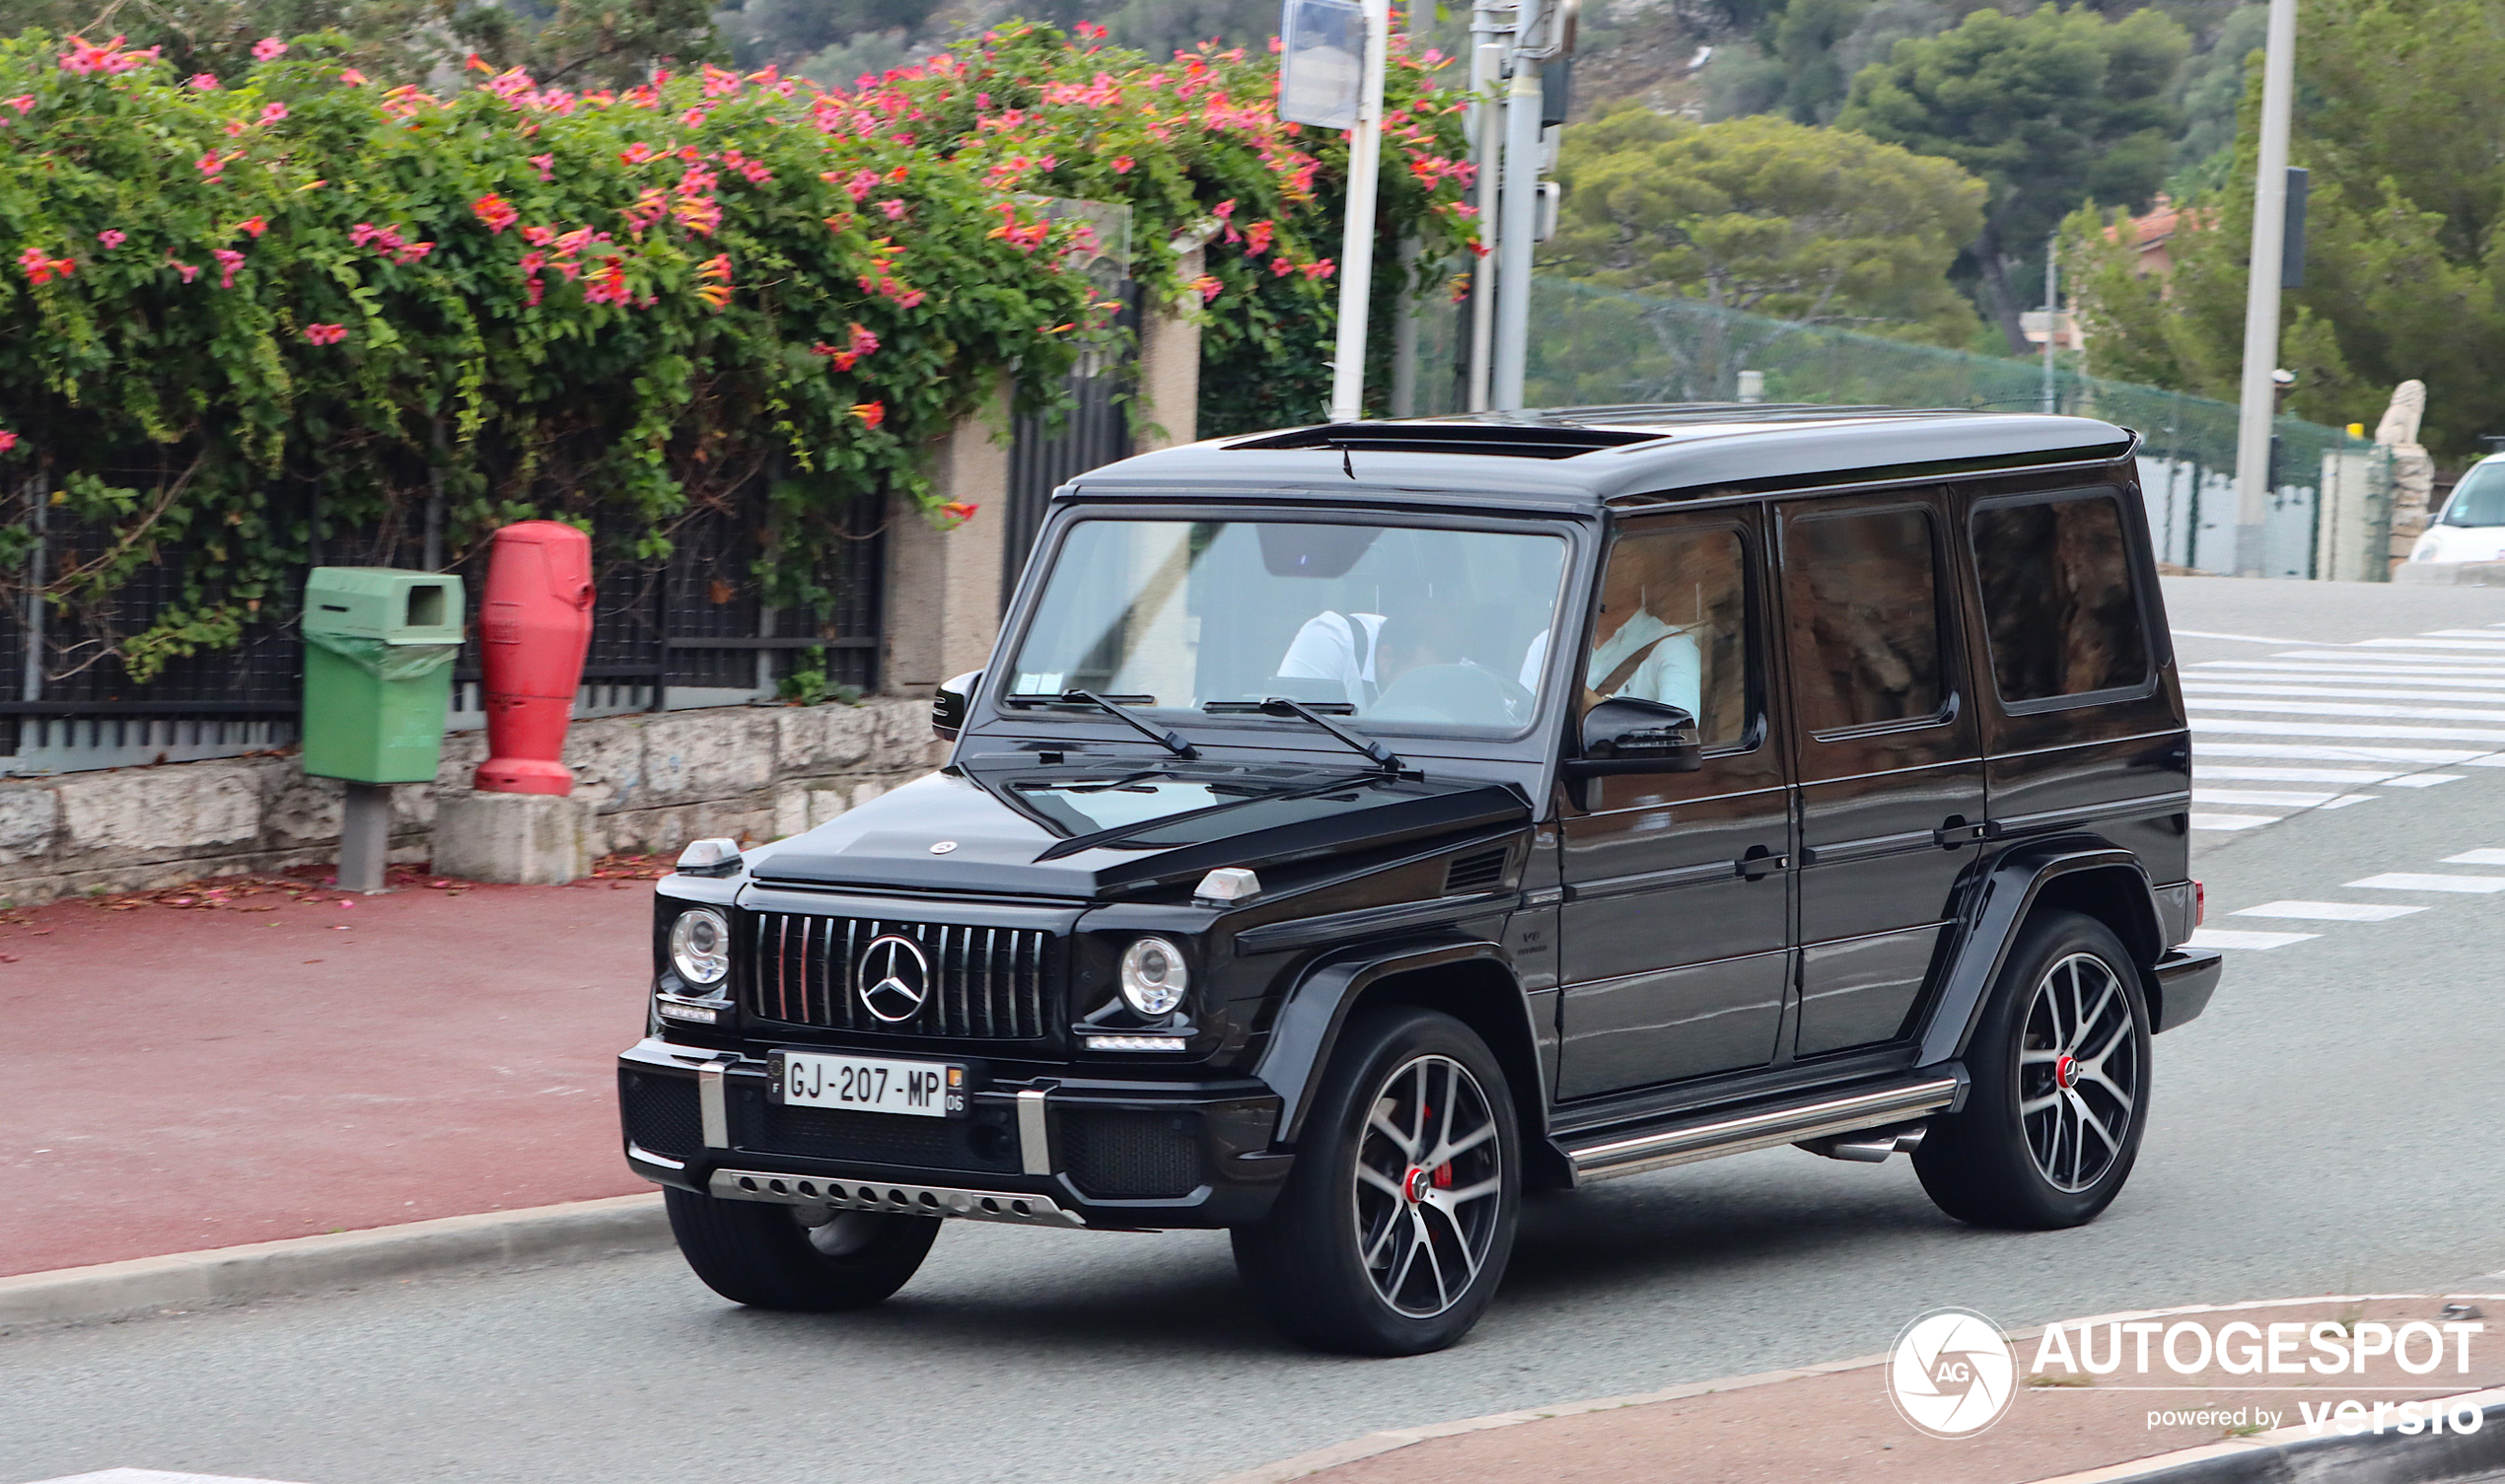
(988,983)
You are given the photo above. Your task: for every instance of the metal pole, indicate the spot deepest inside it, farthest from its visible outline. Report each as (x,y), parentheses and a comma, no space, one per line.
(1486,132)
(1404,336)
(2259,399)
(1519,218)
(364,836)
(2052,319)
(39,499)
(1356,243)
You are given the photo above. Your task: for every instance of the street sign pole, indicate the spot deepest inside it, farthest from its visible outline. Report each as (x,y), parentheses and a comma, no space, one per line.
(1487,152)
(1356,249)
(2260,393)
(1521,206)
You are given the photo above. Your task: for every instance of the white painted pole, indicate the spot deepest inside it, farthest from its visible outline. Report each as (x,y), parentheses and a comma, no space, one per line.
(1519,218)
(2259,395)
(1486,132)
(2052,315)
(1356,247)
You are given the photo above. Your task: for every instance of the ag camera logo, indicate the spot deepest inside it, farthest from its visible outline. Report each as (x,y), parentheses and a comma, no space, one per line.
(1951,1374)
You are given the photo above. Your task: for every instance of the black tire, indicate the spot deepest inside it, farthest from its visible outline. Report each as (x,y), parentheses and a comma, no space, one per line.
(2036,1145)
(1308,1260)
(762,1255)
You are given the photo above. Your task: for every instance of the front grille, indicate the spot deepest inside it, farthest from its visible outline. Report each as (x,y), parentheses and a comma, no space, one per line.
(1118,1154)
(984,983)
(985,1141)
(661,1113)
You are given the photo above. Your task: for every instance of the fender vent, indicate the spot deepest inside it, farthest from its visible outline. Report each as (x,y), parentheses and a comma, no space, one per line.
(1483,872)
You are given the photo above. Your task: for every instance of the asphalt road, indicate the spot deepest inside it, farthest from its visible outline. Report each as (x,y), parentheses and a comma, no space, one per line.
(2329,1126)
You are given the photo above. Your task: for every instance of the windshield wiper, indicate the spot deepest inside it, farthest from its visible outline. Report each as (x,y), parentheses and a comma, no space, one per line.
(1114,706)
(1381,755)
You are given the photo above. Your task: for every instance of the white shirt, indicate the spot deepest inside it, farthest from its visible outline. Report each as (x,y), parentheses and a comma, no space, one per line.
(1327,648)
(1671,673)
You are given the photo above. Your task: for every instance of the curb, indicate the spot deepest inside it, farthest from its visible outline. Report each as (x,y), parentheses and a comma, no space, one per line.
(576,1231)
(2290,1456)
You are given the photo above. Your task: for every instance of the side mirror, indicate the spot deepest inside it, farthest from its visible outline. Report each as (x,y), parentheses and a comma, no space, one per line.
(1629,736)
(950,702)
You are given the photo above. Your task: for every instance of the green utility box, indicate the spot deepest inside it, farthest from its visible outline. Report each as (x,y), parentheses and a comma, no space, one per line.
(378,648)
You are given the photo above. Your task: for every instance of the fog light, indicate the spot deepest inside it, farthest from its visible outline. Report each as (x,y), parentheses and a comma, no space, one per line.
(700,946)
(1154,977)
(694,1013)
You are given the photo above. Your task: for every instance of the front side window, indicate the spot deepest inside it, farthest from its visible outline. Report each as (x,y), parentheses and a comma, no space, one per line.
(1862,599)
(1673,626)
(2058,608)
(1414,628)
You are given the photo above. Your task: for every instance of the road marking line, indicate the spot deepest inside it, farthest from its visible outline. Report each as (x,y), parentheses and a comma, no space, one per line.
(2468,665)
(2424,780)
(2409,881)
(2432,675)
(2352,777)
(2477,858)
(2204,686)
(2485,633)
(2243,638)
(2327,708)
(2277,798)
(149,1476)
(2329,911)
(2232,821)
(2431,644)
(2432,756)
(2467,687)
(2241,727)
(2226,938)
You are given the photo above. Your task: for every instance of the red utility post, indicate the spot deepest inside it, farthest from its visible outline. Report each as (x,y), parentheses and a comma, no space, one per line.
(535,624)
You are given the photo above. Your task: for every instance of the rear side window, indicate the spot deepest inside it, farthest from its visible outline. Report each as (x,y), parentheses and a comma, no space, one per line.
(1863,600)
(2058,607)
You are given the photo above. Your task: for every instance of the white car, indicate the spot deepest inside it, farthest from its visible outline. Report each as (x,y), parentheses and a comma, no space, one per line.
(2471,526)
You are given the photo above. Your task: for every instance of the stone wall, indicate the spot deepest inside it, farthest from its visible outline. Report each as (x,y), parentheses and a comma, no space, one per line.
(656,781)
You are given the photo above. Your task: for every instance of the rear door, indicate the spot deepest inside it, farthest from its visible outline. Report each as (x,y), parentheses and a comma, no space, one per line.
(1891,774)
(1675,954)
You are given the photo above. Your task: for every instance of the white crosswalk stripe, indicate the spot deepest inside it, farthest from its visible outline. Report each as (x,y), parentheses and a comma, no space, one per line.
(2433,758)
(2223,938)
(149,1476)
(2345,777)
(2477,858)
(2202,686)
(2329,911)
(2413,881)
(2200,821)
(2285,798)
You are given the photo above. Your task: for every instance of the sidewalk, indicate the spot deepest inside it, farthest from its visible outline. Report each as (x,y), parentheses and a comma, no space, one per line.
(1836,1425)
(238,1063)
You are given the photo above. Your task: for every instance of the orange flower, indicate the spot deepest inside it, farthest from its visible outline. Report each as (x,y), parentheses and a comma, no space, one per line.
(871,413)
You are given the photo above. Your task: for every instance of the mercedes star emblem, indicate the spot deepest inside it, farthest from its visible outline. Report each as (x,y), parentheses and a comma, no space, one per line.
(942,847)
(893,979)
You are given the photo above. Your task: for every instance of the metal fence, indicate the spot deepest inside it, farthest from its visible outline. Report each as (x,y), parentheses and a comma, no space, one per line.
(690,630)
(1601,346)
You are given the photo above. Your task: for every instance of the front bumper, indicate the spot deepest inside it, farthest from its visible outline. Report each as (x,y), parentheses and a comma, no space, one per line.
(1056,1151)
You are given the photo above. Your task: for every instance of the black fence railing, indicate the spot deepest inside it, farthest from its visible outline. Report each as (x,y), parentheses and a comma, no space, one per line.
(693,629)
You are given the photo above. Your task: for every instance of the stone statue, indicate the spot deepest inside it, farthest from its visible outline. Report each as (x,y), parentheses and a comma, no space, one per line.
(2399,427)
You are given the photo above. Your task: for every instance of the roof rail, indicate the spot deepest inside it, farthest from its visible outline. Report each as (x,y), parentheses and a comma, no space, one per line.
(1525,440)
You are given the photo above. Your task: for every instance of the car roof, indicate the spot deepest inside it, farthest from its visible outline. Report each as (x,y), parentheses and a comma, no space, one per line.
(1579,458)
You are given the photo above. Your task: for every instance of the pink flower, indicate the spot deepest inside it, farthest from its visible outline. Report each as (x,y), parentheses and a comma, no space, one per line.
(353,78)
(268,49)
(863,342)
(187,271)
(861,183)
(31,259)
(495,211)
(8,440)
(204,82)
(546,164)
(273,114)
(22,101)
(253,226)
(326,334)
(228,261)
(111,237)
(895,210)
(1123,164)
(234,127)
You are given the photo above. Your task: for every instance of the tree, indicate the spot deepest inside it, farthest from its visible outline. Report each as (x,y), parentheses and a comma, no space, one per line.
(1772,216)
(2050,109)
(2402,122)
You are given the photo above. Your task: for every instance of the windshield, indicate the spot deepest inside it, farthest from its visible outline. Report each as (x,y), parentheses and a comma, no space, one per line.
(2479,499)
(1415,629)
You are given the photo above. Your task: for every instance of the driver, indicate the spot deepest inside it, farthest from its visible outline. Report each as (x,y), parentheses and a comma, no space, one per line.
(1366,652)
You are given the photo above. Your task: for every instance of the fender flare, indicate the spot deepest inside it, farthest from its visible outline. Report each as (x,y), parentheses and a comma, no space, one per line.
(2002,899)
(1307,1030)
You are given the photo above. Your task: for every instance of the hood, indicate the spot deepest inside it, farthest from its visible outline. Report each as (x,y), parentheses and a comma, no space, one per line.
(1088,831)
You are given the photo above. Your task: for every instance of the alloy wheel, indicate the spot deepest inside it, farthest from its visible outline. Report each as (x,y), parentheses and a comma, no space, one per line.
(2079,1073)
(1429,1175)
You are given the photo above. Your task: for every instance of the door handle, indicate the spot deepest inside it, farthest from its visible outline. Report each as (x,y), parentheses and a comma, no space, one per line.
(1956,831)
(1760,862)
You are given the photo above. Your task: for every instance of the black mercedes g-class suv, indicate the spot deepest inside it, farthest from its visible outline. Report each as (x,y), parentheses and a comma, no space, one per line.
(1360,825)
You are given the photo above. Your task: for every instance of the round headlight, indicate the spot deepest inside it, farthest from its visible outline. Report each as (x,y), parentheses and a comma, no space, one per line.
(700,946)
(1153,976)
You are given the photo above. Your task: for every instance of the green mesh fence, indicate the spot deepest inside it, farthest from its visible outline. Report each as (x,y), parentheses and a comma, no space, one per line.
(1602,346)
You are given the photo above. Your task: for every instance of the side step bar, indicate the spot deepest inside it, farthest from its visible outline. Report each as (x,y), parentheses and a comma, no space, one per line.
(1739,1133)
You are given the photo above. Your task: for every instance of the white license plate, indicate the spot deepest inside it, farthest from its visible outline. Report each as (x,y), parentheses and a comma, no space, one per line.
(869,1083)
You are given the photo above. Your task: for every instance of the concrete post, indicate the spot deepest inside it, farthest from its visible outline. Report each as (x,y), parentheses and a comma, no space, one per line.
(943,586)
(1167,410)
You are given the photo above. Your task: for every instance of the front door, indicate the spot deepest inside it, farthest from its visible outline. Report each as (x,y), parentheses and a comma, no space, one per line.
(1891,780)
(1676,958)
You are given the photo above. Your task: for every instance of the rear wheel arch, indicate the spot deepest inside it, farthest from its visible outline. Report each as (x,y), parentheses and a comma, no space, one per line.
(2078,874)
